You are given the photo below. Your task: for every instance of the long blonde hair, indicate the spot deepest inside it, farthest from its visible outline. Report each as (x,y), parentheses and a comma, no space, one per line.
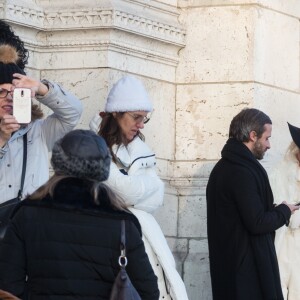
(116,202)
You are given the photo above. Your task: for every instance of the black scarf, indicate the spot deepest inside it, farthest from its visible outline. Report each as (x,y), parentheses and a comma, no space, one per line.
(237,153)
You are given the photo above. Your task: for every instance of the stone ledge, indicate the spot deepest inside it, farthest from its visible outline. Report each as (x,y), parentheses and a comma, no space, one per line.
(96,17)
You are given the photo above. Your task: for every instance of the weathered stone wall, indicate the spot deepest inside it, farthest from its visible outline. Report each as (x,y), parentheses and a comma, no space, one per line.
(237,54)
(202,61)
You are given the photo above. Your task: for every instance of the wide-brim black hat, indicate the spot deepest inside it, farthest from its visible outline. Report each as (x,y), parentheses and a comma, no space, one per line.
(295,133)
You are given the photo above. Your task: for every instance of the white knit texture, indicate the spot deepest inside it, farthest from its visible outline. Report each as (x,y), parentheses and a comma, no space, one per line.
(128,94)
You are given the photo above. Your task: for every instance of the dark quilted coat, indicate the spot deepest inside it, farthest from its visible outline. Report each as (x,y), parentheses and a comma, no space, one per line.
(69,248)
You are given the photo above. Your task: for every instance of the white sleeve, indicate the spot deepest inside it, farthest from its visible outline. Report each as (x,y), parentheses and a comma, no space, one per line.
(95,123)
(143,191)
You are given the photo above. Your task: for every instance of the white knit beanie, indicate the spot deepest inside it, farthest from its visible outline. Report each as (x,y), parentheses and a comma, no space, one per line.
(128,94)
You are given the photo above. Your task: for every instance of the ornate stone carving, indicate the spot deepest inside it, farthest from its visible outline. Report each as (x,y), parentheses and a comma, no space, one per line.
(91,18)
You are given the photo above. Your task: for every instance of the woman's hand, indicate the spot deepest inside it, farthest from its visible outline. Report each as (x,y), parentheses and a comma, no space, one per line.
(8,125)
(36,86)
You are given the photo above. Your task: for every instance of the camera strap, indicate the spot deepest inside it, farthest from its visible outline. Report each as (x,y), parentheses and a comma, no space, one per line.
(23,166)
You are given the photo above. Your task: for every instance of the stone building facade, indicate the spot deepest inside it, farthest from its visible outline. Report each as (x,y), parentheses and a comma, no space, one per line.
(202,61)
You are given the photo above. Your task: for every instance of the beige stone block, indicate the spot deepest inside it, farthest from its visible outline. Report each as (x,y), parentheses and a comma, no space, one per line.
(276,49)
(203,116)
(160,130)
(141,66)
(282,106)
(240,43)
(290,7)
(167,214)
(192,216)
(179,248)
(191,173)
(196,271)
(164,168)
(219,44)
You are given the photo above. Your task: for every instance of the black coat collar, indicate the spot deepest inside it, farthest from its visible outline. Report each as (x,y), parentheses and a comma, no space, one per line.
(238,153)
(73,195)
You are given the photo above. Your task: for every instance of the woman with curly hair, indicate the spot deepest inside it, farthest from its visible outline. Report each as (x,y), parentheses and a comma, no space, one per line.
(41,133)
(7,36)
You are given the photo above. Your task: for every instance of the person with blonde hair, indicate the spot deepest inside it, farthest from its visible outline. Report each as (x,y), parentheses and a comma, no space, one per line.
(285,183)
(64,240)
(241,217)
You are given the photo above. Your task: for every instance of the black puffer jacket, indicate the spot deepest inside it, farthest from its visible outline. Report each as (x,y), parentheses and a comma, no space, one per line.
(69,248)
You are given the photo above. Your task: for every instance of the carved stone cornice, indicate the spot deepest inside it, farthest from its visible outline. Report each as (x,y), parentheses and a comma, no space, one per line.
(95,18)
(23,15)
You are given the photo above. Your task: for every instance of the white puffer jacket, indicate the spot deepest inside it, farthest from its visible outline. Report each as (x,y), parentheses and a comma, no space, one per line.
(285,183)
(143,192)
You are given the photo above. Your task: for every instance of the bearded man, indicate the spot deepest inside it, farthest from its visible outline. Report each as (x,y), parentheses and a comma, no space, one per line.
(241,217)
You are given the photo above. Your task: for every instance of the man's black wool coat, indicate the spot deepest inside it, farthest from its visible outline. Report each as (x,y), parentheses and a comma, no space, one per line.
(241,223)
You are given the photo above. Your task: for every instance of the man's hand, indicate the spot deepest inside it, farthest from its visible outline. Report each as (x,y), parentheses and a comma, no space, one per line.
(292,207)
(8,125)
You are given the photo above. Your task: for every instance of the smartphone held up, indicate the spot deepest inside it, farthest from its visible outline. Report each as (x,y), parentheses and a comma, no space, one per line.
(22,105)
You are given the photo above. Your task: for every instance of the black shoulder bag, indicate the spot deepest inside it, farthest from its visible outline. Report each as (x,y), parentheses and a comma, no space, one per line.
(8,206)
(122,288)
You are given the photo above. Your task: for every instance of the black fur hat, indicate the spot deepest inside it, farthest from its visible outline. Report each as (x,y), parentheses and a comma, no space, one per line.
(8,59)
(295,133)
(81,153)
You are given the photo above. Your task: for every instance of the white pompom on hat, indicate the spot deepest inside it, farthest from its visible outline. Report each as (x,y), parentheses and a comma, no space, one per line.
(128,94)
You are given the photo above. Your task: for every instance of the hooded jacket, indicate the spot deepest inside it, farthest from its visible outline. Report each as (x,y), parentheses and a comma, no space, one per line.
(241,223)
(69,247)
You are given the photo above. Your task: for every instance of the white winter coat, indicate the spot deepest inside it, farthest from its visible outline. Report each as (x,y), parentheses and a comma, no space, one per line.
(41,136)
(143,191)
(285,183)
